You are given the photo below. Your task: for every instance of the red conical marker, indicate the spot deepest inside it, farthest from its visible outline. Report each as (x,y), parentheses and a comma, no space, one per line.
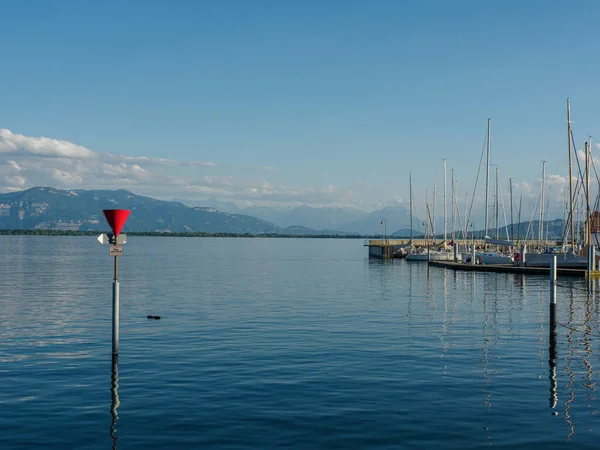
(116,218)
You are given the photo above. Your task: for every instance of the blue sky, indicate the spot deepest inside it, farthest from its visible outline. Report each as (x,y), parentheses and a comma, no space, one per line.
(317,102)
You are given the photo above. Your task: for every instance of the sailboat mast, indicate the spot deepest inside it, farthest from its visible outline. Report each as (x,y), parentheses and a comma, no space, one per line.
(541,225)
(519,216)
(497,201)
(410,202)
(466,232)
(512,231)
(487,175)
(426,217)
(445,221)
(588,235)
(453,206)
(571,218)
(433,210)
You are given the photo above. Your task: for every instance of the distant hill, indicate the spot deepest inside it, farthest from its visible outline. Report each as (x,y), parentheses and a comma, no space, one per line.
(305,231)
(50,208)
(344,220)
(405,233)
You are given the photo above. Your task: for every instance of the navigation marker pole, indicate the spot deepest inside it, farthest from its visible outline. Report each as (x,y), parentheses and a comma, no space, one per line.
(115,303)
(116,218)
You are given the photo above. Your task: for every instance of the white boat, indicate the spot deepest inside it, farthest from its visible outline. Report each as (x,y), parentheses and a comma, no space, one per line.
(493,258)
(565,260)
(432,256)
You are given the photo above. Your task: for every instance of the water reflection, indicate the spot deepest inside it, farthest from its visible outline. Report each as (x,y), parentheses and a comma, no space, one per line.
(444,318)
(571,384)
(484,359)
(114,405)
(552,357)
(589,383)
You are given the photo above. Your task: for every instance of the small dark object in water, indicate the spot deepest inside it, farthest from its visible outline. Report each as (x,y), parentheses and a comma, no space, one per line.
(154,317)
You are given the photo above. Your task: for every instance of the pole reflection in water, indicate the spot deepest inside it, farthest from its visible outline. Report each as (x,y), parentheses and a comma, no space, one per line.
(552,357)
(114,405)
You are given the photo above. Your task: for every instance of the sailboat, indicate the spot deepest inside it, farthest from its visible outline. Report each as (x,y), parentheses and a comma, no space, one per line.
(490,257)
(426,255)
(566,258)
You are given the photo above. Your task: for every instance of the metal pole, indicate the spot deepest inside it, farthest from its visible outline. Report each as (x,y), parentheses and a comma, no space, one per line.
(115,321)
(571,218)
(410,202)
(433,210)
(472,246)
(497,211)
(512,231)
(541,224)
(588,238)
(487,176)
(445,221)
(519,217)
(553,291)
(453,207)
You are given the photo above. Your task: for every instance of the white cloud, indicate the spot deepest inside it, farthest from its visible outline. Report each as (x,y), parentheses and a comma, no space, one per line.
(15,181)
(557,179)
(17,144)
(14,165)
(40,161)
(66,177)
(24,146)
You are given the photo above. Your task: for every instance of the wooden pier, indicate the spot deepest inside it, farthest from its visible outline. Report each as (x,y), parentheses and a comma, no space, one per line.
(508,269)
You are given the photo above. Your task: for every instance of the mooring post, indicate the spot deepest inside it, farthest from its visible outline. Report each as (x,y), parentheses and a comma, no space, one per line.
(473,253)
(553,291)
(115,321)
(455,247)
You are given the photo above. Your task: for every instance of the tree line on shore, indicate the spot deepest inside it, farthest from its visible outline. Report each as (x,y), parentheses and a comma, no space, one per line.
(38,232)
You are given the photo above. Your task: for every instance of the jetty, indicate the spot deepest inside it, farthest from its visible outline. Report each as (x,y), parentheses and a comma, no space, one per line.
(508,269)
(385,248)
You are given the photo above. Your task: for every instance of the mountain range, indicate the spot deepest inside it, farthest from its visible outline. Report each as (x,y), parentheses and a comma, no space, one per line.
(343,220)
(81,210)
(50,208)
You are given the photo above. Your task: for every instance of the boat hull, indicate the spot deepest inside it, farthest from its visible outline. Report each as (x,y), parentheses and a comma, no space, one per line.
(433,256)
(565,260)
(488,258)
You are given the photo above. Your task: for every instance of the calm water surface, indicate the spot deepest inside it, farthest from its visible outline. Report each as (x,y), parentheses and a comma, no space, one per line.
(281,343)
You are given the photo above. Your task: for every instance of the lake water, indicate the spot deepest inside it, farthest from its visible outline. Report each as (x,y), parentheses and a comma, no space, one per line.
(285,343)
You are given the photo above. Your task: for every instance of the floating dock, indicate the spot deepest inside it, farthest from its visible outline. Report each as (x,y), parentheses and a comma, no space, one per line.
(508,269)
